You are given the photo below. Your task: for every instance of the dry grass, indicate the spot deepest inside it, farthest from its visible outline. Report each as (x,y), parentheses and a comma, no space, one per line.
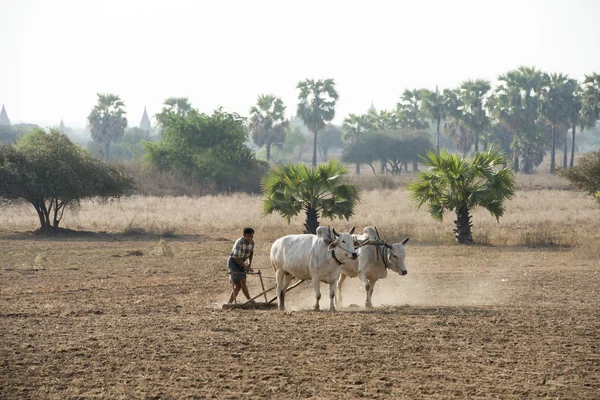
(534,218)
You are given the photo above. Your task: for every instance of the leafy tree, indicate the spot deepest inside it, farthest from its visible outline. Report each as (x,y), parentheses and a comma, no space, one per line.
(12,133)
(393,150)
(267,122)
(107,121)
(132,145)
(331,137)
(12,172)
(367,149)
(458,185)
(292,148)
(7,134)
(316,106)
(354,127)
(434,107)
(210,148)
(318,191)
(404,147)
(586,174)
(51,172)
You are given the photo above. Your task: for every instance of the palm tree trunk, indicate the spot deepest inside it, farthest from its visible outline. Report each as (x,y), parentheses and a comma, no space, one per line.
(312,220)
(553,151)
(268,149)
(476,141)
(528,165)
(463,226)
(357,168)
(437,144)
(314,160)
(565,158)
(516,163)
(573,146)
(107,150)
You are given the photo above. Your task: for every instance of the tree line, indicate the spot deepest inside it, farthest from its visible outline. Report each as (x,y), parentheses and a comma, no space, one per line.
(523,116)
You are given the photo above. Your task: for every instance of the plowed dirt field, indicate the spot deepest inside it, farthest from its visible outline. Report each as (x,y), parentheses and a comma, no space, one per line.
(90,316)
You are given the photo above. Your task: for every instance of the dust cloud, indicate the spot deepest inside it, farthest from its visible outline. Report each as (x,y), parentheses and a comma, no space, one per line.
(414,289)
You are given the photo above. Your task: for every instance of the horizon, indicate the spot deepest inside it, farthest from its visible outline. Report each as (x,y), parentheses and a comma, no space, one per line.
(219,58)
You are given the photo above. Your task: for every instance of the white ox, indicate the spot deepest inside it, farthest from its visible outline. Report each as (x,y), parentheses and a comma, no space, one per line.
(316,257)
(374,259)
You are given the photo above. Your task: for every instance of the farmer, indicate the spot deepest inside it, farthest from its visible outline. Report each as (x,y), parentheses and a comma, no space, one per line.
(240,262)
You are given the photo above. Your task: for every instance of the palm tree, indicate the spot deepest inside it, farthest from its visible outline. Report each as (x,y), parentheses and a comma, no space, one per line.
(410,110)
(316,106)
(433,105)
(556,98)
(385,120)
(517,105)
(456,126)
(458,185)
(574,117)
(178,105)
(591,99)
(354,127)
(291,188)
(107,121)
(267,122)
(471,95)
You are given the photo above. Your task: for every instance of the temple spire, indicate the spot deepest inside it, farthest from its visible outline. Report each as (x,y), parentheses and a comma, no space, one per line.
(145,122)
(372,108)
(4,117)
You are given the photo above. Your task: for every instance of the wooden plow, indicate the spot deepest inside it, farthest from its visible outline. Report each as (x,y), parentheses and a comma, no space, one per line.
(256,305)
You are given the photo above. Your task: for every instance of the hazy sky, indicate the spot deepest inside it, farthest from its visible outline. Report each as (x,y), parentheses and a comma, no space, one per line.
(57,54)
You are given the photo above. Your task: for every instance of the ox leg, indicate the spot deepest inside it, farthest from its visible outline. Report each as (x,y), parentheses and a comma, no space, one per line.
(332,287)
(365,281)
(317,287)
(339,290)
(371,286)
(280,276)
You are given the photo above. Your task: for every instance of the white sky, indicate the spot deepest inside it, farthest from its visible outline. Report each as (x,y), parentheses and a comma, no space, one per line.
(57,54)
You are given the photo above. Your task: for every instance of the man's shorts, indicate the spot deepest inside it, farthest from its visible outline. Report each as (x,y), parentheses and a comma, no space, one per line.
(236,273)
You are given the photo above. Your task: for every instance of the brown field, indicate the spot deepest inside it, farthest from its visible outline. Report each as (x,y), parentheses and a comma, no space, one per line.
(117,312)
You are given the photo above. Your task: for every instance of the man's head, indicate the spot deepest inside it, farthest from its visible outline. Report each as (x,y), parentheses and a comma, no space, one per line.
(248,234)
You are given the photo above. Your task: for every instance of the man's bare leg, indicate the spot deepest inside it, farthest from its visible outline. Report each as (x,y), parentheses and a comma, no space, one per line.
(234,291)
(244,289)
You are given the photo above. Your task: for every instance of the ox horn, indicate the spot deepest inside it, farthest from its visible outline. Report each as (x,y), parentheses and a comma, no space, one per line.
(334,232)
(377,232)
(381,241)
(328,239)
(352,230)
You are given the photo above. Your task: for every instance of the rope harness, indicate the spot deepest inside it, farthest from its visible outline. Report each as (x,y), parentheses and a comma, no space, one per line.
(384,250)
(332,250)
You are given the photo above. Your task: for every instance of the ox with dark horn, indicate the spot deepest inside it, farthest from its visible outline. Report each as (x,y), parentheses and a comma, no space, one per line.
(376,242)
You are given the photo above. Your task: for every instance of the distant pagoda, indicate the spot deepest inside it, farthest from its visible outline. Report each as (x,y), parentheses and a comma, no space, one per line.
(4,117)
(62,126)
(145,122)
(372,108)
